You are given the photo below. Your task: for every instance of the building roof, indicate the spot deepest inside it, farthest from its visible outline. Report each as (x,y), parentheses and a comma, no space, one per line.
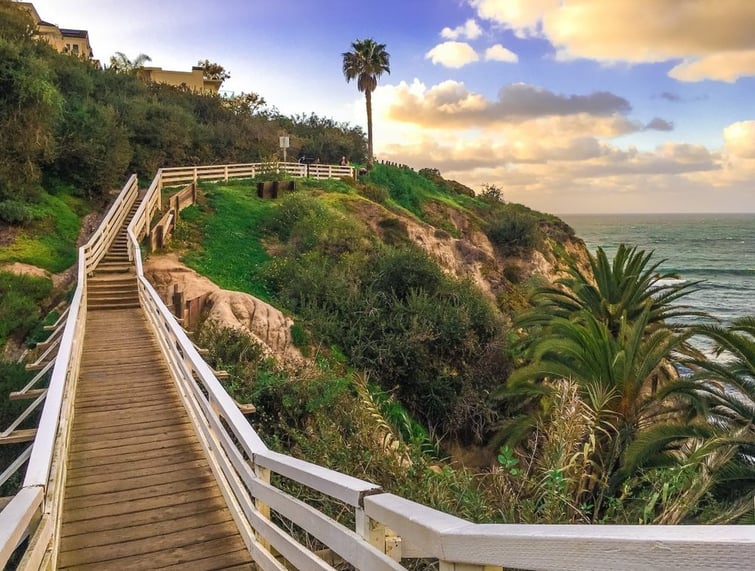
(74,33)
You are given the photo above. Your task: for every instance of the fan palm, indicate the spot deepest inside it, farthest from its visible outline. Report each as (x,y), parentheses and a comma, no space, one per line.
(367,61)
(614,291)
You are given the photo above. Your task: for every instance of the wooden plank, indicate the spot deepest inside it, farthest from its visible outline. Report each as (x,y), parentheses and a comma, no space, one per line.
(134,471)
(136,507)
(165,512)
(19,436)
(182,556)
(163,550)
(26,395)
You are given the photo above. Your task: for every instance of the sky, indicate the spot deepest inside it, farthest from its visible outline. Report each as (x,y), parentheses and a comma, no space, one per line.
(568,106)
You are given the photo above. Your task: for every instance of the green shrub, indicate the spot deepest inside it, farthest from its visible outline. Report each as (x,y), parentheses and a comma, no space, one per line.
(20,297)
(394,231)
(513,232)
(15,212)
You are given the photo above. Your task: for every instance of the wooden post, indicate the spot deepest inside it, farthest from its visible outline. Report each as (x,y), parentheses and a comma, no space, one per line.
(264,509)
(378,535)
(178,304)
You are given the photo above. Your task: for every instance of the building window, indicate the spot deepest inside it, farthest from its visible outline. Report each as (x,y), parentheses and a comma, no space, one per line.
(76,49)
(68,48)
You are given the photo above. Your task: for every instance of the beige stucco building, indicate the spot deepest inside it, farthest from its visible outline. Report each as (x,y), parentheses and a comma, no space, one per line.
(193,79)
(65,40)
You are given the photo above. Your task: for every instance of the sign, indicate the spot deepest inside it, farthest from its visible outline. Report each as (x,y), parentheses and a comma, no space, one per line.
(284,142)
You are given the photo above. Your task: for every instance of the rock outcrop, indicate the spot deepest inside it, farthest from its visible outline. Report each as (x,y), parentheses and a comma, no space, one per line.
(233,309)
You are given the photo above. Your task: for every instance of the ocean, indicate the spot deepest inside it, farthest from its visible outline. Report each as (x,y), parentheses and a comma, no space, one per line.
(716,248)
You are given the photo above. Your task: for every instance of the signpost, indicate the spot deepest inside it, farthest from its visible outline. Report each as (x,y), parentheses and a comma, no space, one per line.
(284,146)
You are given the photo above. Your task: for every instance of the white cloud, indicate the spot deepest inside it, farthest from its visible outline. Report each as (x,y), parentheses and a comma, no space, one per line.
(740,139)
(470,30)
(452,54)
(499,53)
(715,40)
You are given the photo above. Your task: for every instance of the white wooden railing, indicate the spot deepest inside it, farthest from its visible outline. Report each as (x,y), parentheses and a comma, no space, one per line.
(388,528)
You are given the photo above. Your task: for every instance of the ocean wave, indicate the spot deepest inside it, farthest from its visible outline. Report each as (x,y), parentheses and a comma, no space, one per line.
(688,272)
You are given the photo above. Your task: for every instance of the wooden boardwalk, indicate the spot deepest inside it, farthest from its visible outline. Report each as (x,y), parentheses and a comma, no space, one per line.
(139,492)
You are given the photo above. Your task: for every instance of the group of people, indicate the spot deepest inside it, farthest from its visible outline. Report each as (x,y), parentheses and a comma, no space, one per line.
(303,160)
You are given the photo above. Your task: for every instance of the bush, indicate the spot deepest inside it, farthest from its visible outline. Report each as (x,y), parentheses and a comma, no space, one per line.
(20,297)
(513,233)
(15,212)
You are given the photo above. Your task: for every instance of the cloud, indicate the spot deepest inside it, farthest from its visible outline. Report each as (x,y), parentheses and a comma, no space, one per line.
(714,41)
(658,124)
(723,66)
(673,97)
(452,54)
(559,153)
(470,30)
(451,104)
(739,139)
(499,53)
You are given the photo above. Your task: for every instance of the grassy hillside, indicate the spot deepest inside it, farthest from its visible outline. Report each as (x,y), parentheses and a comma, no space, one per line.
(337,255)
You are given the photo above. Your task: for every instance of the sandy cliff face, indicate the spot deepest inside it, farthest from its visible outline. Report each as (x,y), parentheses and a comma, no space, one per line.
(233,309)
(472,255)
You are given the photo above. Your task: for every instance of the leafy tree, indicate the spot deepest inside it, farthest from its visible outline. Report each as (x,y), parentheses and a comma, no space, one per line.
(29,106)
(244,103)
(366,63)
(213,71)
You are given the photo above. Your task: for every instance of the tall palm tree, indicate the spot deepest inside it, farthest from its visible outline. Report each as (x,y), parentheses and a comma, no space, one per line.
(367,61)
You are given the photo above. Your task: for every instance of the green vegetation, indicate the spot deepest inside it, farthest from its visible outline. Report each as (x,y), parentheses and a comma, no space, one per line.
(642,443)
(21,297)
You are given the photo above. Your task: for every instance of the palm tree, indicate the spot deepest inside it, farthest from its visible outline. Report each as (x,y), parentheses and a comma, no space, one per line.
(614,291)
(366,63)
(119,62)
(621,380)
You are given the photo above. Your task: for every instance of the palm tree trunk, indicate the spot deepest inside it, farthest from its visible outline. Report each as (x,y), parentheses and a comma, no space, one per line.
(368,100)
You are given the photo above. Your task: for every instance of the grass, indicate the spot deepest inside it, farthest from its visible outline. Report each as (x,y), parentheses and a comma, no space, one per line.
(50,241)
(231,245)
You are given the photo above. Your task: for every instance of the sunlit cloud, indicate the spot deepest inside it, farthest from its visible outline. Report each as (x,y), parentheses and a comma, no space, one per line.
(559,153)
(740,139)
(452,54)
(714,40)
(451,104)
(470,30)
(499,53)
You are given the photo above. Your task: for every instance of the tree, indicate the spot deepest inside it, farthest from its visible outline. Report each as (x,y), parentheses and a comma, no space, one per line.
(366,63)
(120,63)
(214,71)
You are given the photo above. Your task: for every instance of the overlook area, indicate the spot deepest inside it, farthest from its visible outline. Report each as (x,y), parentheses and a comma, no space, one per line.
(336,365)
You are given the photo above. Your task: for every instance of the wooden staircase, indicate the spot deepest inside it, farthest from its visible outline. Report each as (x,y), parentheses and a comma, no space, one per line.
(114,284)
(139,491)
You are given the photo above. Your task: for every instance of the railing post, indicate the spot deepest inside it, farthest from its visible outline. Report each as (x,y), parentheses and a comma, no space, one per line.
(264,475)
(377,535)
(196,177)
(225,172)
